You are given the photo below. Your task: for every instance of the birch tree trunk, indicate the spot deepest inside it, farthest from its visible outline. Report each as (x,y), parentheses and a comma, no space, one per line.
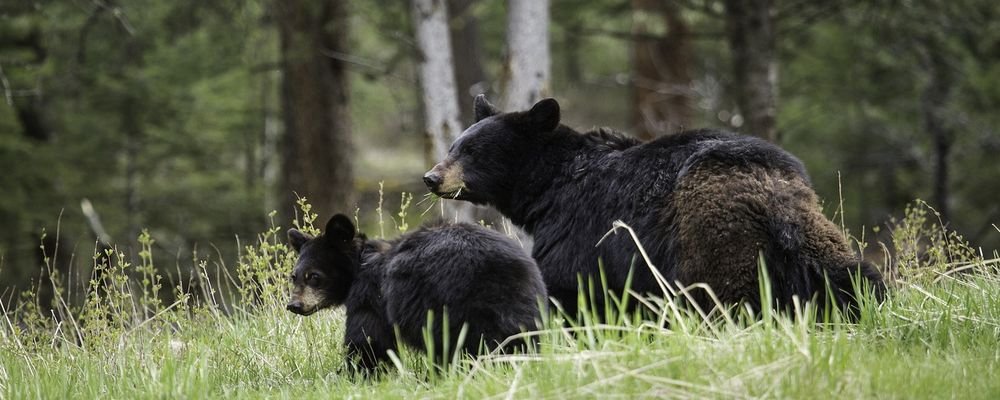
(317,155)
(750,26)
(525,76)
(528,62)
(437,87)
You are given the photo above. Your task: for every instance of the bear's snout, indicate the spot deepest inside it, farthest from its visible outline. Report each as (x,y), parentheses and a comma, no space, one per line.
(295,307)
(445,179)
(432,180)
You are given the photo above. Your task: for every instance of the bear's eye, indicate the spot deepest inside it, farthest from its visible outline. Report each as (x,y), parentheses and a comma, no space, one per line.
(312,277)
(291,277)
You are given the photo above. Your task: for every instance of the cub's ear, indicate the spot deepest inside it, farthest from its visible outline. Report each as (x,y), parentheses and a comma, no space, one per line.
(544,115)
(296,238)
(339,228)
(483,108)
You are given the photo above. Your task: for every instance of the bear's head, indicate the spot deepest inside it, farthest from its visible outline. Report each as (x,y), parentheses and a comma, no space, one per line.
(326,266)
(488,159)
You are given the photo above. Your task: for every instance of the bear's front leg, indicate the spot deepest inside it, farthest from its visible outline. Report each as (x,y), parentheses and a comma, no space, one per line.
(368,339)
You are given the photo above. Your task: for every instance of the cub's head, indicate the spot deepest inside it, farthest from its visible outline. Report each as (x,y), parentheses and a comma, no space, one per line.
(326,266)
(487,160)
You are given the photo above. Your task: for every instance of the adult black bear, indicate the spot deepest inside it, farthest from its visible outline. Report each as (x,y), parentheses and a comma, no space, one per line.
(705,205)
(474,275)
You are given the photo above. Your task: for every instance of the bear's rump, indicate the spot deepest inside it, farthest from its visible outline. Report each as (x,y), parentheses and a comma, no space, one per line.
(727,217)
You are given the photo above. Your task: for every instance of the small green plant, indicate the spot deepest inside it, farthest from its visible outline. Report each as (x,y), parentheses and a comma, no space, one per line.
(404,204)
(264,267)
(35,326)
(106,310)
(378,210)
(150,281)
(926,249)
(263,270)
(306,221)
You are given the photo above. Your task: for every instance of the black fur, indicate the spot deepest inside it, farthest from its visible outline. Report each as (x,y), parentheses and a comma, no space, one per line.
(477,276)
(566,188)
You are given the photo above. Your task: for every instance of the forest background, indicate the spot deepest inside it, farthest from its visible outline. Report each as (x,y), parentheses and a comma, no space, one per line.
(195,119)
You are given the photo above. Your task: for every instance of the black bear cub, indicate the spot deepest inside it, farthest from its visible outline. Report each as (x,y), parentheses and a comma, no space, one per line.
(472,275)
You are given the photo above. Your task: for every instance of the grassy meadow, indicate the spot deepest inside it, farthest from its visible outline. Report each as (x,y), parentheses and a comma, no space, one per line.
(936,336)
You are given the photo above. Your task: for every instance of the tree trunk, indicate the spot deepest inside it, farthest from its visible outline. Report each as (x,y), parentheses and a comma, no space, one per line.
(25,46)
(317,150)
(751,30)
(528,62)
(437,84)
(933,104)
(132,108)
(526,72)
(661,79)
(132,127)
(470,78)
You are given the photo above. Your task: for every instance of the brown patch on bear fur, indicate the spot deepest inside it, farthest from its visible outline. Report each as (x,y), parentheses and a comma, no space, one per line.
(310,298)
(723,216)
(452,177)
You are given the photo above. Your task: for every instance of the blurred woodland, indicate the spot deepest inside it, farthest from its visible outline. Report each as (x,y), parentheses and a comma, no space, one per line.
(195,119)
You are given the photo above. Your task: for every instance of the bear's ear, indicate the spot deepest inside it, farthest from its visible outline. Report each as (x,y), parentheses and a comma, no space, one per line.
(339,229)
(296,238)
(483,108)
(544,115)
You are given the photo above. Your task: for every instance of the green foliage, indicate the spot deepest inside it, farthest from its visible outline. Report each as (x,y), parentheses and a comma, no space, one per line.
(185,95)
(404,203)
(926,250)
(307,220)
(263,271)
(378,211)
(109,310)
(165,90)
(853,93)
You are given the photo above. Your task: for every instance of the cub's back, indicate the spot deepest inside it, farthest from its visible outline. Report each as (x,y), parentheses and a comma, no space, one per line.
(449,264)
(478,276)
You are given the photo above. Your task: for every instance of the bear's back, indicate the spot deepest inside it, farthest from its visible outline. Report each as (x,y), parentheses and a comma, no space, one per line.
(639,177)
(477,275)
(456,252)
(728,149)
(634,182)
(679,152)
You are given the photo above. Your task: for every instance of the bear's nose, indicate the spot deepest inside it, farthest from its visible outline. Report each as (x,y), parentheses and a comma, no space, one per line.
(432,180)
(295,307)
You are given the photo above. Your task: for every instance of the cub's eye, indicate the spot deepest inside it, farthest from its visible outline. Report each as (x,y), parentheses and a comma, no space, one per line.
(312,277)
(291,277)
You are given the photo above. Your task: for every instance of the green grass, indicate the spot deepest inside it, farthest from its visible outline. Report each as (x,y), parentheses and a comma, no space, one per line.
(942,343)
(933,338)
